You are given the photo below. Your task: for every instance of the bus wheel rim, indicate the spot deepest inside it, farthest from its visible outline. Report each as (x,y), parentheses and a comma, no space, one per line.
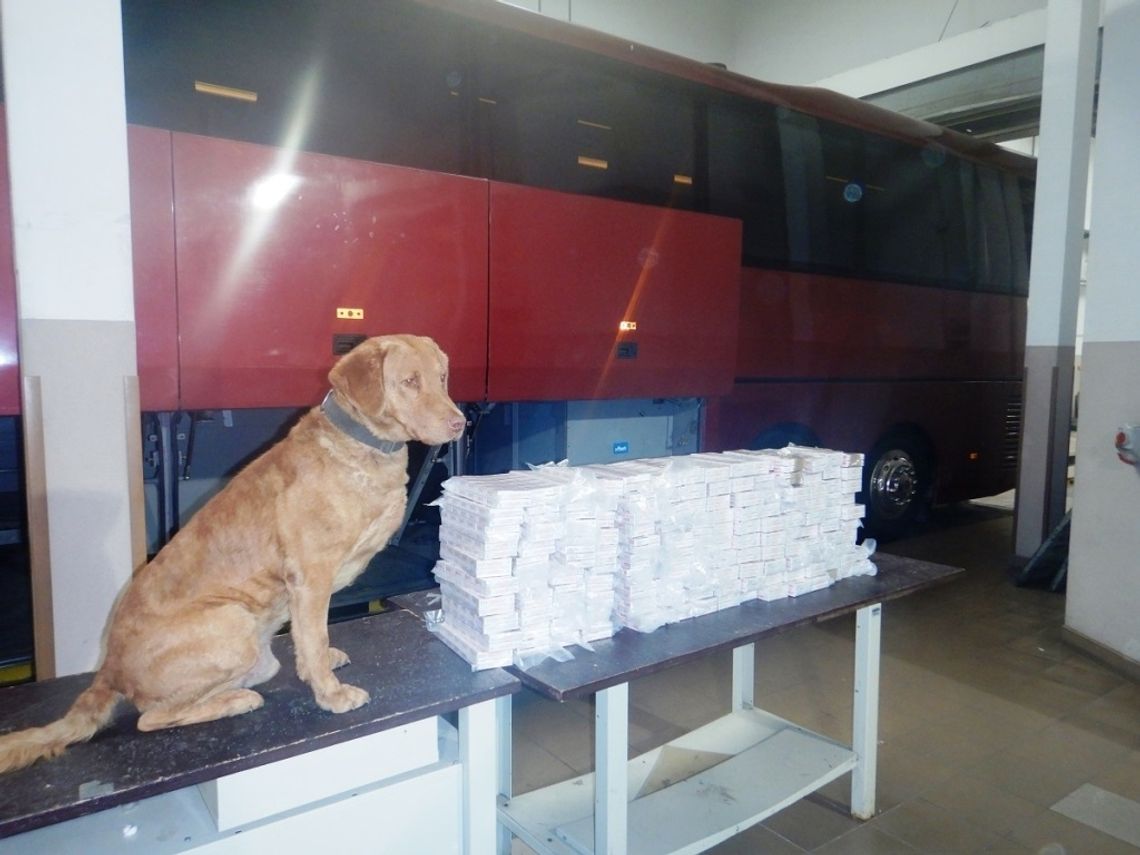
(894,484)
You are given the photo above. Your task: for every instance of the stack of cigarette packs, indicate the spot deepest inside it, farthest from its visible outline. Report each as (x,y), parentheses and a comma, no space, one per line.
(539,560)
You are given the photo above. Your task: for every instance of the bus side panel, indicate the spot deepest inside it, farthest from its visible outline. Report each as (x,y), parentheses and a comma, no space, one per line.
(567,272)
(281,251)
(800,325)
(972,426)
(854,361)
(9,352)
(152,243)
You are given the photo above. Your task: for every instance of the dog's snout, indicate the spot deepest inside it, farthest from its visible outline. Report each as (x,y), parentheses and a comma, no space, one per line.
(456,424)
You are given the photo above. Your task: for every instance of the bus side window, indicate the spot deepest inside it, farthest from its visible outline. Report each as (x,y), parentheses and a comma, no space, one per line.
(847,186)
(374,97)
(171,48)
(1019,231)
(655,132)
(746,177)
(525,106)
(801,152)
(576,124)
(912,211)
(947,184)
(992,245)
(1027,190)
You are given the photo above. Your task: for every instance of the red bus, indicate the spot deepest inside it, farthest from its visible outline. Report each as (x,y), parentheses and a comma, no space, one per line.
(885,261)
(599,233)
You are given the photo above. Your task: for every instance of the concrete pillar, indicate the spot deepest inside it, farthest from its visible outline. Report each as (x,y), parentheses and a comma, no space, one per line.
(1103,597)
(67,152)
(1055,268)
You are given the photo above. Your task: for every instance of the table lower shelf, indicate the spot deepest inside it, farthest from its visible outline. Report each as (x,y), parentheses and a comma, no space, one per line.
(691,793)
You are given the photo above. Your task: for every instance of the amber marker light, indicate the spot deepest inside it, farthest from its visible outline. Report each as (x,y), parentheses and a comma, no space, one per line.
(225,91)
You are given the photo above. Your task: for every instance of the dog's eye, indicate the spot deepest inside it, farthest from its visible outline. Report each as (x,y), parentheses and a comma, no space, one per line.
(443,380)
(413,382)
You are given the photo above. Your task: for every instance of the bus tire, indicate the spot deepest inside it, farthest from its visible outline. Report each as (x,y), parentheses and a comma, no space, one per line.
(897,485)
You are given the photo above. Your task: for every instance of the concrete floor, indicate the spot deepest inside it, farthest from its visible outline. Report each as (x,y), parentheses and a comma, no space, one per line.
(987,718)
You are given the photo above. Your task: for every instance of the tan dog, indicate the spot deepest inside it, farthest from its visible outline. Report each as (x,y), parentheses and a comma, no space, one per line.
(190,634)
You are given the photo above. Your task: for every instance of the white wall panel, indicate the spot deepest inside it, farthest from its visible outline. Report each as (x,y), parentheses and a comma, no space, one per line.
(1104,586)
(804,41)
(846,45)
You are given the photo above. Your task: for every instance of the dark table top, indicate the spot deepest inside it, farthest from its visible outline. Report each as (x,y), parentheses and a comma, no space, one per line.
(631,654)
(409,673)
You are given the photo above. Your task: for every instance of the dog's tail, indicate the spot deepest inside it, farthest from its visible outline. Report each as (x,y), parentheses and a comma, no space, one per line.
(91,711)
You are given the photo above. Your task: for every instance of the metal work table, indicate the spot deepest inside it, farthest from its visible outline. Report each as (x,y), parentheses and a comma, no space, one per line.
(722,778)
(410,674)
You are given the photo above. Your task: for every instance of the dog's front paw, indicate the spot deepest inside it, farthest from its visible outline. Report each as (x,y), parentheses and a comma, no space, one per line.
(337,658)
(343,698)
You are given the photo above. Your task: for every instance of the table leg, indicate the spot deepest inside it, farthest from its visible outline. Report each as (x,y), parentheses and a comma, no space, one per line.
(611,775)
(503,715)
(477,753)
(865,727)
(743,676)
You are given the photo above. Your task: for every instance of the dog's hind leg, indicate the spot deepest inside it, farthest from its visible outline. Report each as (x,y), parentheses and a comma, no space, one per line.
(226,703)
(266,667)
(200,668)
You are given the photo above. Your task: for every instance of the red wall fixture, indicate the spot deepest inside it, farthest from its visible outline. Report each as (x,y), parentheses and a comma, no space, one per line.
(280,252)
(9,353)
(592,298)
(152,243)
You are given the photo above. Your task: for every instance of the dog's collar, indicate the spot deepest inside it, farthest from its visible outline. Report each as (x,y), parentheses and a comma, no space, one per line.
(347,424)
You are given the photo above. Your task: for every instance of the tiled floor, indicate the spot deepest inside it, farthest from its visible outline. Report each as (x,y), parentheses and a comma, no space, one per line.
(987,718)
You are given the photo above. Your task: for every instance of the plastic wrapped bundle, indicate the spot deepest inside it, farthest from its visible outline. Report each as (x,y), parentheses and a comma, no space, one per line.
(497,539)
(532,562)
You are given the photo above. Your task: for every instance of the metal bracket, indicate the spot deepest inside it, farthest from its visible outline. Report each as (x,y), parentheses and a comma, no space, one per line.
(416,491)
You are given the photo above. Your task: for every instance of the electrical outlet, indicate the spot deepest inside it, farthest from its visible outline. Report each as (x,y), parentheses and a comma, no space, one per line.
(350,314)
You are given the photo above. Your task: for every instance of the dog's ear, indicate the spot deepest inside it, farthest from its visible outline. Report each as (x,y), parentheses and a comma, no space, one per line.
(358,377)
